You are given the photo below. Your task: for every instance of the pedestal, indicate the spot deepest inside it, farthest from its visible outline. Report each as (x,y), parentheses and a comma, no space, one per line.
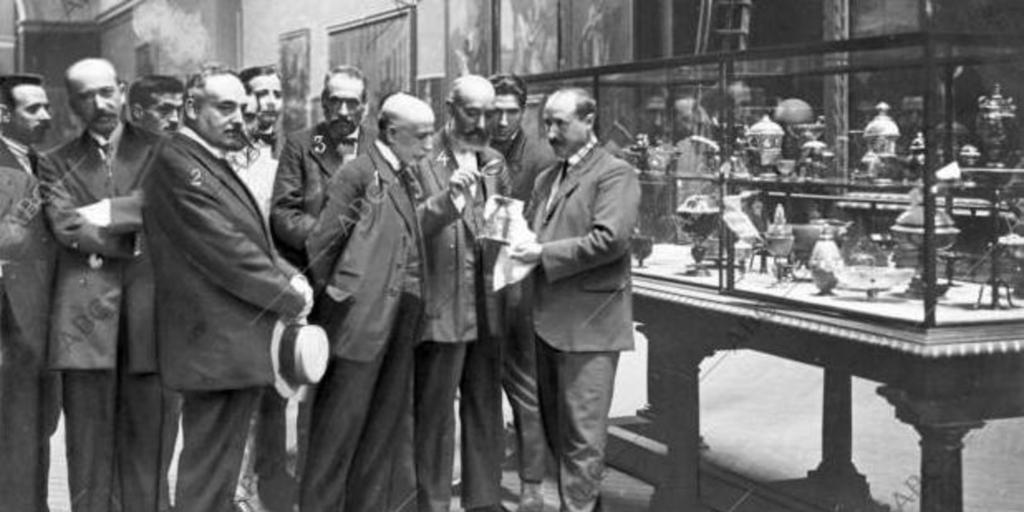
(941,448)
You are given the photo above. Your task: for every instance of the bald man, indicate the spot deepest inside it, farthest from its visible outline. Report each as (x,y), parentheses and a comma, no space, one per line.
(367,259)
(584,209)
(457,264)
(102,336)
(221,287)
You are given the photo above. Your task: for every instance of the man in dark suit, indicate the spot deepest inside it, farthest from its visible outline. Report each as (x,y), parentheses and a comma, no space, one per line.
(456,265)
(28,392)
(311,157)
(584,211)
(367,253)
(221,288)
(154,103)
(510,360)
(102,322)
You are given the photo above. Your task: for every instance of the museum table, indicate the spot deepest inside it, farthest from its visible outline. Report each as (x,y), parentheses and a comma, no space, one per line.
(943,381)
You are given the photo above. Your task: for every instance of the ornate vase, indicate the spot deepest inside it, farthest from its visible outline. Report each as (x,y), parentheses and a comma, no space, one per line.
(825,260)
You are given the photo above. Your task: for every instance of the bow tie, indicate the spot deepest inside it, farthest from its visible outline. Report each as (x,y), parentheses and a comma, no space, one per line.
(268,138)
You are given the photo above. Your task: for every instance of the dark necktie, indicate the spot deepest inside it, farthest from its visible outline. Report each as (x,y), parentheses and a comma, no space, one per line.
(410,183)
(562,174)
(33,160)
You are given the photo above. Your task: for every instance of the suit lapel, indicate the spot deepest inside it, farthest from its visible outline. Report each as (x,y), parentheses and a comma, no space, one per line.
(229,178)
(129,161)
(322,153)
(572,180)
(539,201)
(85,166)
(395,190)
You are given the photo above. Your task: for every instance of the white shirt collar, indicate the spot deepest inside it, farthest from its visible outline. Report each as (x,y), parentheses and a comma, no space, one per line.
(389,156)
(190,133)
(112,139)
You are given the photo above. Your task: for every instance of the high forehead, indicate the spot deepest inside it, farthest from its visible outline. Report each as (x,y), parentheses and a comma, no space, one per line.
(91,74)
(473,90)
(408,110)
(344,86)
(221,88)
(265,82)
(506,102)
(561,104)
(28,94)
(169,97)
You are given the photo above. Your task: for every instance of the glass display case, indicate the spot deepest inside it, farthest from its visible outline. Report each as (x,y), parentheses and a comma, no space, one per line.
(876,177)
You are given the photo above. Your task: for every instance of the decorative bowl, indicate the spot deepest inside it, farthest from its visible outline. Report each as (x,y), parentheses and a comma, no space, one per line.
(871,279)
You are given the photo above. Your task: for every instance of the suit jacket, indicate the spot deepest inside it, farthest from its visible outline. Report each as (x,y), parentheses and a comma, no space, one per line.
(357,251)
(525,157)
(28,253)
(458,265)
(89,303)
(219,282)
(305,165)
(582,287)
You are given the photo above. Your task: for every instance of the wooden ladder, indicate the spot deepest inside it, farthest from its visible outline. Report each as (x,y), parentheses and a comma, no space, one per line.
(728,20)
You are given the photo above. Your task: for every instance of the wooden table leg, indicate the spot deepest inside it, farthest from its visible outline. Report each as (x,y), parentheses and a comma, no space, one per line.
(942,446)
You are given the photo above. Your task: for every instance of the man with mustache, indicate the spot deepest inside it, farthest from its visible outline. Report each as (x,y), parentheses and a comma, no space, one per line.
(221,286)
(264,84)
(154,102)
(585,208)
(102,337)
(311,157)
(459,305)
(28,392)
(371,236)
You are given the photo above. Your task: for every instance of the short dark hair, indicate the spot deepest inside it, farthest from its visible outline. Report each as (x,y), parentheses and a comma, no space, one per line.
(9,82)
(349,71)
(197,81)
(144,90)
(252,72)
(509,84)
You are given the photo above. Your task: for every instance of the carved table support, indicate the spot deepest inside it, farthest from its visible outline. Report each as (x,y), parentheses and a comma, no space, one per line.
(941,448)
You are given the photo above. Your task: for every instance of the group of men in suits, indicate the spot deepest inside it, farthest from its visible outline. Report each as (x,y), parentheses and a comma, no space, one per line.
(149,260)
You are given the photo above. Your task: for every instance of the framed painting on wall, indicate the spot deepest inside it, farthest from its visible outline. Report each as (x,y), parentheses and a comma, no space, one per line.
(381,47)
(294,66)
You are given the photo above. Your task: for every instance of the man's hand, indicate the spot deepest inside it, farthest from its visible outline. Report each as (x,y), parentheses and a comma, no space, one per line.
(461,180)
(97,213)
(527,252)
(301,285)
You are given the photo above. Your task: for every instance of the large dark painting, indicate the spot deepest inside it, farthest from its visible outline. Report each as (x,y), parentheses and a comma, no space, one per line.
(381,48)
(295,76)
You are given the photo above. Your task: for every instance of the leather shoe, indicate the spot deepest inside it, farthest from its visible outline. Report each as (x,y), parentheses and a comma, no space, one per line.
(530,498)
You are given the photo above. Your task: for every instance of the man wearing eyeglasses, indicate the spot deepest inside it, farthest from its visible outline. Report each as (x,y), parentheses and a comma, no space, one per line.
(311,157)
(102,337)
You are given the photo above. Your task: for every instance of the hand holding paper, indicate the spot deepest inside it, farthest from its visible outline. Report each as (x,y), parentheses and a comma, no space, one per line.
(97,213)
(505,223)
